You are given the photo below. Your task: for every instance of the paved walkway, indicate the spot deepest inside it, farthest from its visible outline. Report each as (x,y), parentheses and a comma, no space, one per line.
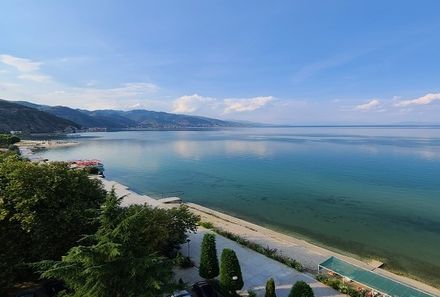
(306,253)
(256,268)
(130,197)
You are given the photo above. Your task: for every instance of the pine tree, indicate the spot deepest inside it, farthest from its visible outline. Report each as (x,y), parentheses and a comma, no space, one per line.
(270,288)
(127,256)
(208,259)
(301,289)
(230,271)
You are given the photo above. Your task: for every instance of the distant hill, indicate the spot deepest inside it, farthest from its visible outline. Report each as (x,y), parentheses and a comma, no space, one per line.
(118,119)
(17,117)
(154,119)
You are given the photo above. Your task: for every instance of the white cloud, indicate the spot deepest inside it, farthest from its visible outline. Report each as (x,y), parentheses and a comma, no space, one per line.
(127,89)
(27,69)
(248,104)
(124,97)
(21,64)
(214,106)
(424,100)
(35,77)
(190,103)
(372,104)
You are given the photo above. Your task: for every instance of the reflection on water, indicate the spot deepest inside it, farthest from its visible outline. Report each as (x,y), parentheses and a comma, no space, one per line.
(374,192)
(187,149)
(235,147)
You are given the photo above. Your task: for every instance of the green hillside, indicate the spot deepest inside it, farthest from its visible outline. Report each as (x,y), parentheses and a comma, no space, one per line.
(17,117)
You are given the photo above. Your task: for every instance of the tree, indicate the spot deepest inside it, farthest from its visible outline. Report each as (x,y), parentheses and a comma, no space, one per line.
(301,289)
(230,271)
(7,139)
(126,256)
(208,259)
(44,210)
(270,288)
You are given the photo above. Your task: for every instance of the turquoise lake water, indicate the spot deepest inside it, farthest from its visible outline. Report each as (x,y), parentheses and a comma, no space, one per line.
(369,191)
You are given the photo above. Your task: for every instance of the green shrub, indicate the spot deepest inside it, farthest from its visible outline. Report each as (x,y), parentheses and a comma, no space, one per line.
(334,283)
(208,259)
(354,293)
(270,288)
(301,289)
(92,170)
(268,252)
(13,148)
(343,289)
(221,291)
(252,293)
(230,268)
(322,278)
(182,261)
(8,139)
(207,225)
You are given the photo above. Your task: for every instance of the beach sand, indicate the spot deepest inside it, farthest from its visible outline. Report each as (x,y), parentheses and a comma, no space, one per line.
(308,254)
(27,147)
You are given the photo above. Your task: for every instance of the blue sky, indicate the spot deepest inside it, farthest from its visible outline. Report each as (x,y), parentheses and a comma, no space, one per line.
(268,61)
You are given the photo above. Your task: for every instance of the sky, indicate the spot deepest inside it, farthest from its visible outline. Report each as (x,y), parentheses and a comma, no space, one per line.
(284,62)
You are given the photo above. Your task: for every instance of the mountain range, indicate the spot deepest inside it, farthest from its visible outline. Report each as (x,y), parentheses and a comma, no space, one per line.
(17,117)
(35,118)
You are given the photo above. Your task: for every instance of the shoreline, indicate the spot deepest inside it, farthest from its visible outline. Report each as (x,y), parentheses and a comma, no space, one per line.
(29,147)
(307,253)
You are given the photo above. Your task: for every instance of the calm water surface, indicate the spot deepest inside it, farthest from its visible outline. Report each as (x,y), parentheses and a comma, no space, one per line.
(370,191)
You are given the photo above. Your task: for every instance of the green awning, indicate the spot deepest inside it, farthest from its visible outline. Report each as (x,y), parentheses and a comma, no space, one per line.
(372,280)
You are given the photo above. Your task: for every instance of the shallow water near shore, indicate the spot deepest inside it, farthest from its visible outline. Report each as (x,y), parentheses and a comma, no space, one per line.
(374,192)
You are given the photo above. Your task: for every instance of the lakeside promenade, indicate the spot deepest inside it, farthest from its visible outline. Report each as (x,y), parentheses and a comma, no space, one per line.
(255,267)
(308,254)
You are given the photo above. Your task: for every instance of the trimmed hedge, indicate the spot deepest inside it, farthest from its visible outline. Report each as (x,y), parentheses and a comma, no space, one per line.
(207,225)
(230,268)
(270,288)
(208,259)
(267,251)
(301,289)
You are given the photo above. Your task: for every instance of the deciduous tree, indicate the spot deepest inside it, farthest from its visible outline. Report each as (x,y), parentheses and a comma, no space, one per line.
(44,210)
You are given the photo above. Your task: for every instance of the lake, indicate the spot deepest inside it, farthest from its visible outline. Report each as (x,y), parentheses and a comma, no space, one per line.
(374,192)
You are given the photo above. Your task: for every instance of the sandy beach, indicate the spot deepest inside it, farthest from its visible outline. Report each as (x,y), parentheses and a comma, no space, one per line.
(308,254)
(46,144)
(28,147)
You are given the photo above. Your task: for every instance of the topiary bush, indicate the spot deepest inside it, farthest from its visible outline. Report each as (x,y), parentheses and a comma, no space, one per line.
(301,289)
(270,288)
(208,259)
(230,269)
